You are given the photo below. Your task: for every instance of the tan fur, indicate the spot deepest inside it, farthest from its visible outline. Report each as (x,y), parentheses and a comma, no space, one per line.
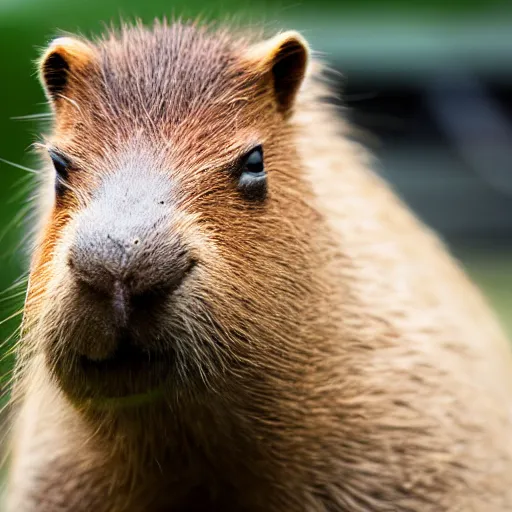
(327,354)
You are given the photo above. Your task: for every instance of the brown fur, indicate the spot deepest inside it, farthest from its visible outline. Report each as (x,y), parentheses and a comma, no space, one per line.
(327,354)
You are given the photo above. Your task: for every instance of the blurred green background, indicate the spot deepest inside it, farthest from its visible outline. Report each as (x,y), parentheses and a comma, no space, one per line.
(428,83)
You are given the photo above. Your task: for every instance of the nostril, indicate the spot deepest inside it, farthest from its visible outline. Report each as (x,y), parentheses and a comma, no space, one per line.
(130,271)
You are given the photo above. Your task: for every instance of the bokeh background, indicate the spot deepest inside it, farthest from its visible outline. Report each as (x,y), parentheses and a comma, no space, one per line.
(429,84)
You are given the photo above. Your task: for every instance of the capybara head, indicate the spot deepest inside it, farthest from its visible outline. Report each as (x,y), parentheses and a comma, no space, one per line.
(177,247)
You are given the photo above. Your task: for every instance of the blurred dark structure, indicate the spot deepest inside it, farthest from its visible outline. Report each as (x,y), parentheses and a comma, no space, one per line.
(440,117)
(447,147)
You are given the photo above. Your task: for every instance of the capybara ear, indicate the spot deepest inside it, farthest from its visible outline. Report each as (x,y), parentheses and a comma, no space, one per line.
(285,58)
(65,59)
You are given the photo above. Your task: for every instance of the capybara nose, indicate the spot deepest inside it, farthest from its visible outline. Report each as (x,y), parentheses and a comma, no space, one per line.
(132,274)
(125,246)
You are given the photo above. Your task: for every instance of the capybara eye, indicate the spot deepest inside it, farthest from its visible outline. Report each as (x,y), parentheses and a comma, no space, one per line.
(253,161)
(60,163)
(253,179)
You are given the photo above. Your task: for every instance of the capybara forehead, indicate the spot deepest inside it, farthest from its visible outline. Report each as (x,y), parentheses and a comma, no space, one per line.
(179,85)
(164,74)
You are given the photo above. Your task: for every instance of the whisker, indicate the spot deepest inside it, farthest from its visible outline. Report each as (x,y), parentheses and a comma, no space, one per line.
(11,297)
(9,353)
(70,100)
(15,333)
(29,117)
(24,242)
(23,280)
(4,407)
(19,166)
(38,145)
(23,187)
(10,317)
(15,222)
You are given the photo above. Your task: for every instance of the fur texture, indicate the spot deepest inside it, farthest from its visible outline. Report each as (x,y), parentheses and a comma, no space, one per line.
(325,353)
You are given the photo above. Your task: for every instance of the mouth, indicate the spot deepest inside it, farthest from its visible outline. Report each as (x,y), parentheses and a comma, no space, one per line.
(109,403)
(127,358)
(130,377)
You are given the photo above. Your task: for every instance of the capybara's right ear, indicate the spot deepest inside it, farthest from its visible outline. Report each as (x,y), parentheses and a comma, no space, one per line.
(284,58)
(66,58)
